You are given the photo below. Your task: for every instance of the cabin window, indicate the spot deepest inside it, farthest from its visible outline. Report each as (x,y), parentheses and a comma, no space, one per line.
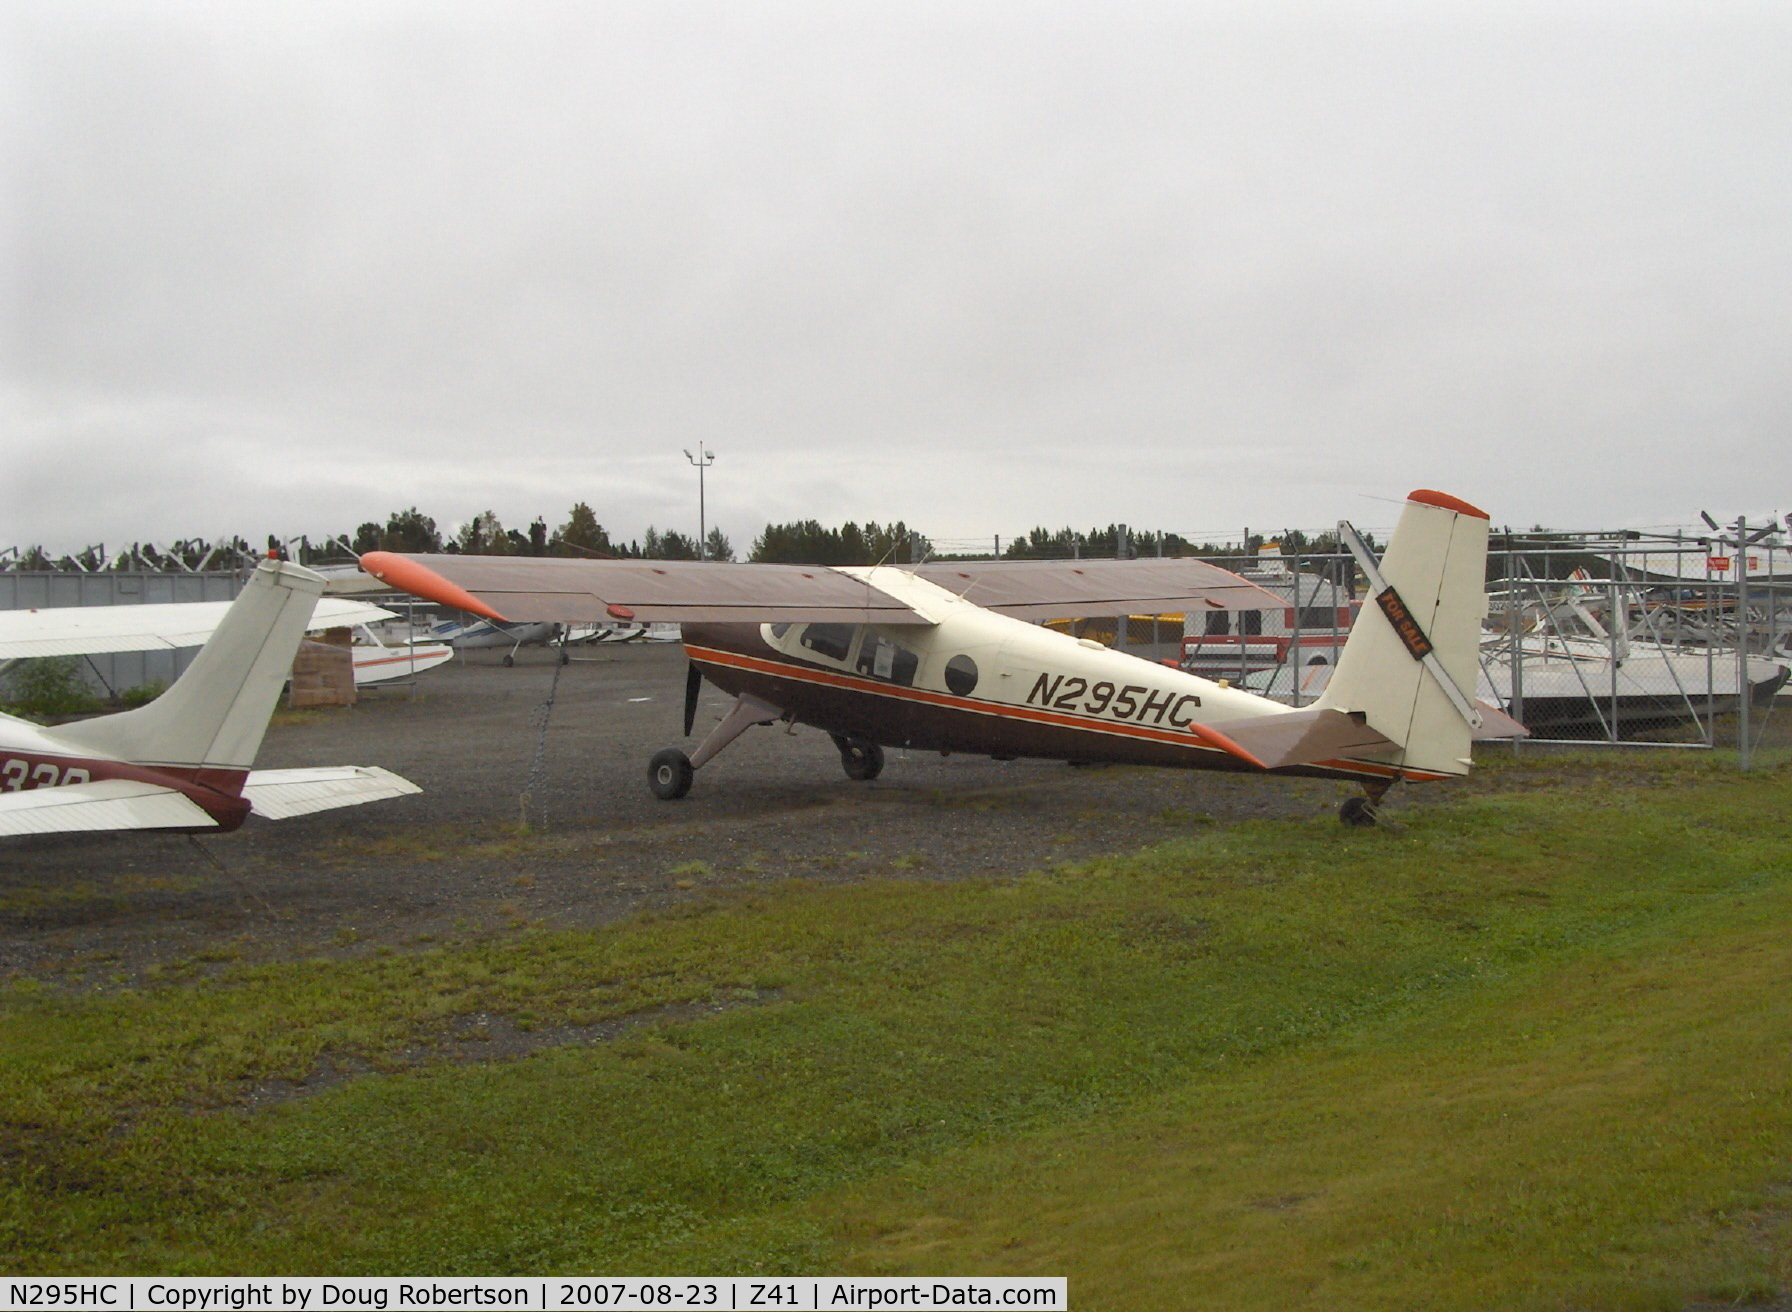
(833,641)
(1219,623)
(778,631)
(1250,622)
(1318,617)
(961,675)
(882,659)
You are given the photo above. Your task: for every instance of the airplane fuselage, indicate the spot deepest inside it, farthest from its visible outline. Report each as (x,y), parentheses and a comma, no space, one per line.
(33,757)
(981,682)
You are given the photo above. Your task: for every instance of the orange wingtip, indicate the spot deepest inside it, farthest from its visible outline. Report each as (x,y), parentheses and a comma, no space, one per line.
(415,577)
(1444,501)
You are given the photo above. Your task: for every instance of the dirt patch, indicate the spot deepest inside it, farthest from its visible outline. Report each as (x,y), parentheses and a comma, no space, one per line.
(482,1037)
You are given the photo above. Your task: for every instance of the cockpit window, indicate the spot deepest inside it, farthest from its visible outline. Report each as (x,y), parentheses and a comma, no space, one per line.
(833,641)
(778,631)
(882,659)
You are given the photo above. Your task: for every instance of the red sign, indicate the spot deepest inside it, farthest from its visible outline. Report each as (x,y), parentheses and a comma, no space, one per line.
(1717,564)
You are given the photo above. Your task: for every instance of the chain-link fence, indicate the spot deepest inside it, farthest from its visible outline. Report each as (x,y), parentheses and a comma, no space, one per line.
(1587,640)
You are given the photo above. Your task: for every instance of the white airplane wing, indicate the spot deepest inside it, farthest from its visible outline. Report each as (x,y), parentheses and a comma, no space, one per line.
(102,804)
(281,794)
(89,630)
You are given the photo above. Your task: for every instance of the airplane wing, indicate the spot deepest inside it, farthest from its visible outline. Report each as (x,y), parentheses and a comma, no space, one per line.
(102,804)
(281,794)
(600,591)
(89,630)
(1043,590)
(596,591)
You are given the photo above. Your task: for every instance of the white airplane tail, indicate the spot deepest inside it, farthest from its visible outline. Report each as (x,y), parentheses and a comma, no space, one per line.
(1409,666)
(217,711)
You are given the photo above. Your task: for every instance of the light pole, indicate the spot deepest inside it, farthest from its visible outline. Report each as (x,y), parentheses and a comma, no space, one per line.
(708,459)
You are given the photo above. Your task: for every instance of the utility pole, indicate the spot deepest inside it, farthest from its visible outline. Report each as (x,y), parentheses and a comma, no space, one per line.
(1742,542)
(708,459)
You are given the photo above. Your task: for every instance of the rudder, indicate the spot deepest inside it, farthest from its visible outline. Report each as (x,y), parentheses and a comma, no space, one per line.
(1435,572)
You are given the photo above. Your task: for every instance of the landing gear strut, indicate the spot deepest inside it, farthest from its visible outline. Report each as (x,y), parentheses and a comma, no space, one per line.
(859,757)
(670,771)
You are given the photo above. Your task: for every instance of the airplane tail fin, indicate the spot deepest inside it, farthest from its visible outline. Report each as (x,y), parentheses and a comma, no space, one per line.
(1409,666)
(216,712)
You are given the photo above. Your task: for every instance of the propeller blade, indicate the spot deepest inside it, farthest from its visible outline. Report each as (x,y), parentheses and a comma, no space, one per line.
(693,683)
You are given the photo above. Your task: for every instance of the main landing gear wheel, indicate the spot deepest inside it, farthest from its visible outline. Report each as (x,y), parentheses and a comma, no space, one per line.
(1357,812)
(859,757)
(509,661)
(669,774)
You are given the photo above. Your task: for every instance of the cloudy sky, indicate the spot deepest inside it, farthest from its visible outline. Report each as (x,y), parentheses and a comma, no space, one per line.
(981,266)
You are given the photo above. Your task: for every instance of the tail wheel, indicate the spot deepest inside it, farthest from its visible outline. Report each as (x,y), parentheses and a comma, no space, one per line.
(859,757)
(669,774)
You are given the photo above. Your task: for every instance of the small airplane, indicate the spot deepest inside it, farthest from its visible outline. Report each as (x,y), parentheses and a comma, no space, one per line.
(183,761)
(941,656)
(489,632)
(379,662)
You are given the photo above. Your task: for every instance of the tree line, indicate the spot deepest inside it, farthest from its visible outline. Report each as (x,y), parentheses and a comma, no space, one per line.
(797,542)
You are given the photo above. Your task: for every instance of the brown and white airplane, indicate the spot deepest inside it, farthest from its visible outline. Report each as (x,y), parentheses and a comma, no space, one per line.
(942,657)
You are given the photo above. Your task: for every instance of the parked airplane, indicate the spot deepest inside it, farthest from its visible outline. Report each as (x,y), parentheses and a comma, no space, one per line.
(491,632)
(183,761)
(378,662)
(939,657)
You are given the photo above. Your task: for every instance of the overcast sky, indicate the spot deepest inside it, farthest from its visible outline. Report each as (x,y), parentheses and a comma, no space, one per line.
(286,268)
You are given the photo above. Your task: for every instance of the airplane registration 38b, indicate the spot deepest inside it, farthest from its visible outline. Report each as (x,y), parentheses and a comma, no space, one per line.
(943,656)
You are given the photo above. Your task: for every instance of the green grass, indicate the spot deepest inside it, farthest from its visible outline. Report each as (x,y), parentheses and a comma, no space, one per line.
(1526,1048)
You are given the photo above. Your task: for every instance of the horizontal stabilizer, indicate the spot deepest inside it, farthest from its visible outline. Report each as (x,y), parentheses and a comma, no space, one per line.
(1497,725)
(281,794)
(100,805)
(1304,737)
